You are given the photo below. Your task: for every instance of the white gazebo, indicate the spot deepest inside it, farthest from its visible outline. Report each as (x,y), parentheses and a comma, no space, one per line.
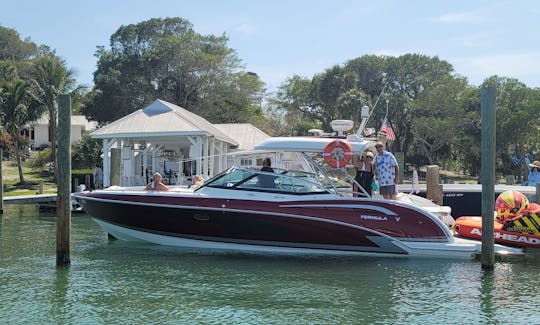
(165,138)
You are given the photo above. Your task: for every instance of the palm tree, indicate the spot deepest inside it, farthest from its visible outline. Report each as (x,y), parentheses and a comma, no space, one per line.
(53,78)
(18,106)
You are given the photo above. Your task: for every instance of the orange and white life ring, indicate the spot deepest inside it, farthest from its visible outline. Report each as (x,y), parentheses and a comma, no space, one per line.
(337,153)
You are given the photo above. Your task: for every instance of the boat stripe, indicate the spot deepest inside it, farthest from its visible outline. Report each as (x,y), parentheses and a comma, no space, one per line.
(351,206)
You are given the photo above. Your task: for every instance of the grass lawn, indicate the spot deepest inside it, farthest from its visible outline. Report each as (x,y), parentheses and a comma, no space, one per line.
(32,177)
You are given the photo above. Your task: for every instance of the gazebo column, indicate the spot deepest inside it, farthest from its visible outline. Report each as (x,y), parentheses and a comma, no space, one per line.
(107,145)
(127,162)
(206,156)
(212,157)
(145,161)
(155,162)
(223,156)
(218,149)
(197,144)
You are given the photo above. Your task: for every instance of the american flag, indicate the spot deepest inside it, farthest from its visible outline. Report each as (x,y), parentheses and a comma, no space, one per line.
(387,130)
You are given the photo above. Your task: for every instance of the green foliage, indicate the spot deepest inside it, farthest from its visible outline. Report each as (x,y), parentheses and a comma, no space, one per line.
(18,107)
(81,176)
(12,48)
(86,152)
(167,59)
(435,113)
(39,159)
(52,78)
(517,119)
(6,142)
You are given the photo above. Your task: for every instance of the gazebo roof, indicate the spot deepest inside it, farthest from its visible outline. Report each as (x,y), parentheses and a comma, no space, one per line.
(246,134)
(160,119)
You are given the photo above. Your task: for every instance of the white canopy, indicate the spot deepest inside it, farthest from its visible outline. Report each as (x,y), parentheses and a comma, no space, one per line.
(163,137)
(308,144)
(161,119)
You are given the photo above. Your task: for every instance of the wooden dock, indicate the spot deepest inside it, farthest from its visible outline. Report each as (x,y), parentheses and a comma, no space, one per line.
(30,199)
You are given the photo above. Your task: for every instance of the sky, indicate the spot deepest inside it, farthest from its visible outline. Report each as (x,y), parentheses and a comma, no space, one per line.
(280,38)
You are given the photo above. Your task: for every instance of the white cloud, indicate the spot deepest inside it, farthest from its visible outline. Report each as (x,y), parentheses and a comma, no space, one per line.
(471,41)
(461,17)
(245,29)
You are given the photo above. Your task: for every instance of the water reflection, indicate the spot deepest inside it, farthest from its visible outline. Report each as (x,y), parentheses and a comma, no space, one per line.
(487,287)
(120,282)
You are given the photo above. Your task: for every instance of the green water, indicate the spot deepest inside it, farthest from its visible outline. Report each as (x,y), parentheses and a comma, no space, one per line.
(129,283)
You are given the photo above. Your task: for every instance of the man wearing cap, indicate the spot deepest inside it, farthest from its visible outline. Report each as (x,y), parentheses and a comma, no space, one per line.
(534,173)
(387,171)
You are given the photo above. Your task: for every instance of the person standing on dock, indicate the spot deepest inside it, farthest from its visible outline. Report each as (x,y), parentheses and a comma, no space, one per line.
(98,176)
(534,173)
(387,171)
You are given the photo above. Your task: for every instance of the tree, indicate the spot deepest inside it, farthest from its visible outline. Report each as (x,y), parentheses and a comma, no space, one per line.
(86,152)
(437,115)
(291,106)
(236,101)
(12,48)
(53,78)
(517,119)
(18,106)
(14,54)
(167,59)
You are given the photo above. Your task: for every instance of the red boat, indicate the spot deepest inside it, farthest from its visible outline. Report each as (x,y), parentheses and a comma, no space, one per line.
(287,211)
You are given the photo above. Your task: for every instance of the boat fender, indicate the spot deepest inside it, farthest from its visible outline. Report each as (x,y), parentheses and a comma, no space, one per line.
(337,153)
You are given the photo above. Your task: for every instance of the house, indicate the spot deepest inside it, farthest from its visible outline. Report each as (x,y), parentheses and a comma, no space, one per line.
(39,130)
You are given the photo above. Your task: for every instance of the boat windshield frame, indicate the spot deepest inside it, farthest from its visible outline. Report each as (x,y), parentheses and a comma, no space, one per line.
(280,181)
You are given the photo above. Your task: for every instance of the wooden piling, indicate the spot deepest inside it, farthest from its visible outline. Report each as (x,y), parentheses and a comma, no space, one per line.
(63,170)
(115,166)
(510,179)
(487,174)
(40,187)
(434,190)
(1,183)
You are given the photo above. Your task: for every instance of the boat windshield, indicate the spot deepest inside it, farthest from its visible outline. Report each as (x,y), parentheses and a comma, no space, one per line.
(281,181)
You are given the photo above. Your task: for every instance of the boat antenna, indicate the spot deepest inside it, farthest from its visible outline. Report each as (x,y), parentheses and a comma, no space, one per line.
(365,120)
(386,114)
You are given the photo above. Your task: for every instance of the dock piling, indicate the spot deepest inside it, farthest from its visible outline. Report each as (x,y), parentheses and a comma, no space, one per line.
(63,208)
(487,174)
(434,190)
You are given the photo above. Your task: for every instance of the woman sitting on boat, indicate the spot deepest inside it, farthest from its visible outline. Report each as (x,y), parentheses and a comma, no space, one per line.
(196,181)
(156,184)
